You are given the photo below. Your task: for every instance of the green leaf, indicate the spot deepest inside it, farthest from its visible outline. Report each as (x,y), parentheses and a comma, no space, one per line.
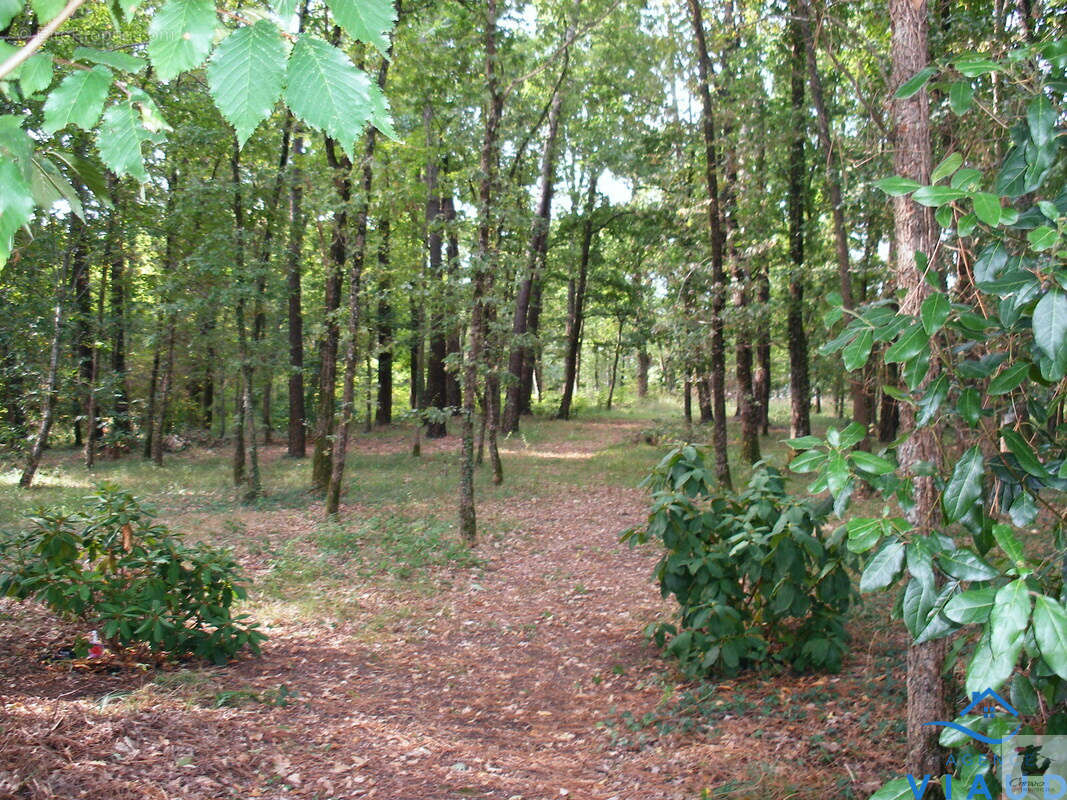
(971,606)
(965,225)
(937,195)
(1010,545)
(49,186)
(855,355)
(327,92)
(853,434)
(1011,180)
(915,606)
(365,20)
(896,186)
(77,100)
(987,207)
(245,76)
(965,486)
(46,10)
(808,461)
(945,217)
(950,164)
(934,312)
(837,474)
(1043,237)
(896,789)
(1050,630)
(36,74)
(804,442)
(868,462)
(180,36)
(1009,378)
(863,534)
(966,565)
(1050,326)
(1041,118)
(1024,453)
(16,204)
(974,66)
(915,84)
(961,97)
(8,10)
(989,671)
(119,141)
(1010,614)
(112,58)
(970,406)
(1050,210)
(911,342)
(931,402)
(966,179)
(285,8)
(884,568)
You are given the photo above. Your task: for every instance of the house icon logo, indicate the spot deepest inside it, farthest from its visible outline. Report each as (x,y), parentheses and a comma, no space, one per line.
(989,705)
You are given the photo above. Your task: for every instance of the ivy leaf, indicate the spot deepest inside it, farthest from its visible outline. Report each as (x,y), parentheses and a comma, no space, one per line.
(327,92)
(1009,378)
(78,100)
(119,141)
(965,486)
(180,36)
(1024,453)
(971,606)
(915,84)
(1011,612)
(910,344)
(245,76)
(1050,326)
(365,20)
(896,186)
(883,568)
(1041,119)
(1050,630)
(987,207)
(951,163)
(16,203)
(937,195)
(960,97)
(934,312)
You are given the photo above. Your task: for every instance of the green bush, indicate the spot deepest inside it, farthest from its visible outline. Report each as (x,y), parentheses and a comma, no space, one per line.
(754,575)
(138,583)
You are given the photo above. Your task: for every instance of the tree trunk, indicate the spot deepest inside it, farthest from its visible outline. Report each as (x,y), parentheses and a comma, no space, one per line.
(718,275)
(614,366)
(644,361)
(83,332)
(359,247)
(704,400)
(384,407)
(117,311)
(435,396)
(687,402)
(297,425)
(799,387)
(163,402)
(153,382)
(521,349)
(576,317)
(915,231)
(453,347)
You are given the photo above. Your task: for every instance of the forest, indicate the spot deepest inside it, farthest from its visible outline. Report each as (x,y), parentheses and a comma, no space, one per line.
(609,399)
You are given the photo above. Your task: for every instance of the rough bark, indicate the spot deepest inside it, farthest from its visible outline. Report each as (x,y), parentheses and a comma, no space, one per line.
(644,361)
(915,231)
(435,394)
(297,426)
(799,386)
(718,274)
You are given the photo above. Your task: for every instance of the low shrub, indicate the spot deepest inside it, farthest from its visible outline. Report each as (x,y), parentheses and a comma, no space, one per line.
(113,568)
(754,575)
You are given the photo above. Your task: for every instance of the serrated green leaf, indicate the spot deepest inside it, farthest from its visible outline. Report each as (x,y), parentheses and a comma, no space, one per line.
(327,92)
(78,100)
(1024,453)
(46,10)
(245,76)
(180,36)
(49,186)
(1009,616)
(9,9)
(949,165)
(934,312)
(915,84)
(285,8)
(971,606)
(1041,119)
(965,486)
(365,20)
(911,342)
(16,204)
(119,141)
(111,58)
(1050,630)
(987,207)
(1009,378)
(896,186)
(36,74)
(937,195)
(1050,326)
(883,568)
(961,97)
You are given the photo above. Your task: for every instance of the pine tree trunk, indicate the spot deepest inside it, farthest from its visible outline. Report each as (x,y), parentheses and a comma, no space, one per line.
(915,231)
(703,385)
(384,407)
(644,361)
(435,396)
(453,346)
(576,317)
(297,425)
(153,383)
(246,452)
(718,274)
(799,386)
(162,404)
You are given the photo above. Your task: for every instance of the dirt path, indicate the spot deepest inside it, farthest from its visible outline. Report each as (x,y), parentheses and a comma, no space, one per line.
(493,688)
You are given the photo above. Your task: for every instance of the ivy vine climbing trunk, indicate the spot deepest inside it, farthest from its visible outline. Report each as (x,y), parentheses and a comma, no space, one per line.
(915,232)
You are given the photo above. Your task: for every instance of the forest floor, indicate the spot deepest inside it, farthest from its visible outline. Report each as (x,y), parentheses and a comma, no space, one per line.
(402,667)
